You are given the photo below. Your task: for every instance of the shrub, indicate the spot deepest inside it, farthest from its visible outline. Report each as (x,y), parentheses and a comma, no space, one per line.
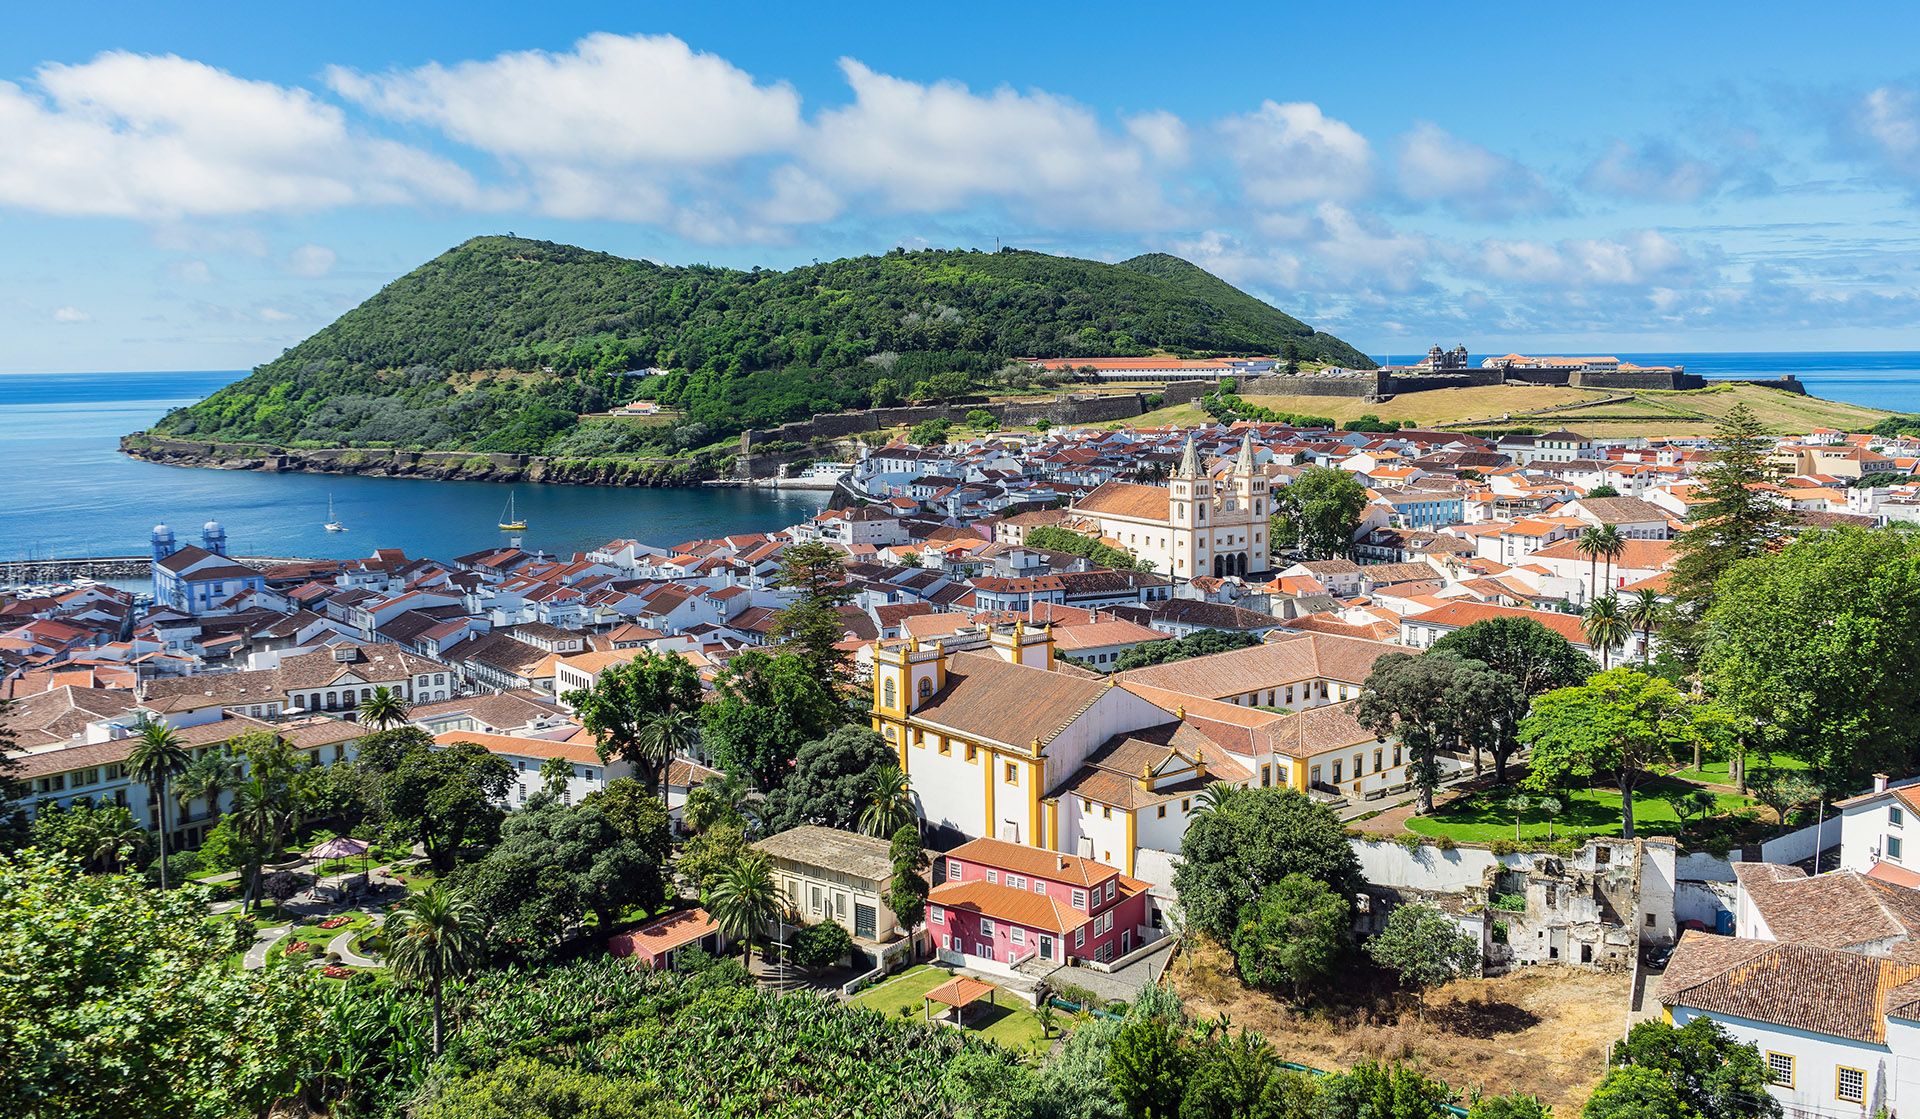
(821,945)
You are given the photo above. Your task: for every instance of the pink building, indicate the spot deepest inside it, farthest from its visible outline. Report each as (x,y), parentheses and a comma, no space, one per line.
(1003,905)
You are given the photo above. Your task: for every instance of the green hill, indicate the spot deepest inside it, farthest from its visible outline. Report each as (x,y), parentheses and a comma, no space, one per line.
(503,344)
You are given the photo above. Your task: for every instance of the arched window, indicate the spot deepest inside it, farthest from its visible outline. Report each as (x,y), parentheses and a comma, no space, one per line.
(889,694)
(926,686)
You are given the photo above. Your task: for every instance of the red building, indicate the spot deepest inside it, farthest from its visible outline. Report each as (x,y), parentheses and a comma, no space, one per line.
(1003,905)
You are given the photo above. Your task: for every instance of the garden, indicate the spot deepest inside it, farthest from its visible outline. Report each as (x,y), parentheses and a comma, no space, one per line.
(1696,816)
(1011,1022)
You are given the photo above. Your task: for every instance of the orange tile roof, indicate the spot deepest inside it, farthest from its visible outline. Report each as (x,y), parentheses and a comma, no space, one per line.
(1004,903)
(664,934)
(519,747)
(1033,862)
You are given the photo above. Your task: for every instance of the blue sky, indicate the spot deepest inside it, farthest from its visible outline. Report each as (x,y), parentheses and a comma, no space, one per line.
(199,186)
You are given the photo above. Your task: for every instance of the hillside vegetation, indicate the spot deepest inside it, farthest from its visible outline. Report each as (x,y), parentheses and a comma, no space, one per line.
(503,343)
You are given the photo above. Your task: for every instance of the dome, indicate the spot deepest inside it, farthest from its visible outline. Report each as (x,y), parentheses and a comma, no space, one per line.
(210,526)
(162,530)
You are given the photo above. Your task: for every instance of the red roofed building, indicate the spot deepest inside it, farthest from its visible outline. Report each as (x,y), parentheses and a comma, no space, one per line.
(659,943)
(1004,907)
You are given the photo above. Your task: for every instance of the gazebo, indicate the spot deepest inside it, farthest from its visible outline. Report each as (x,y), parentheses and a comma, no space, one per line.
(958,993)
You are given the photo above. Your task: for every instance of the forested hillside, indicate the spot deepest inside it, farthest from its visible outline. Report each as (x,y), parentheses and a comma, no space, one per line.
(502,343)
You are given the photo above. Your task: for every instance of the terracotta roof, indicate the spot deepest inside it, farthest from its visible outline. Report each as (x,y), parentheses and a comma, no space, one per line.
(664,934)
(1004,903)
(1820,990)
(1652,555)
(515,746)
(1316,730)
(960,990)
(1012,704)
(1301,657)
(1033,862)
(1459,615)
(1843,909)
(1126,499)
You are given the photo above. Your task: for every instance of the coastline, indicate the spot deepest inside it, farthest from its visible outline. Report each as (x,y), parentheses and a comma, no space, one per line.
(445,466)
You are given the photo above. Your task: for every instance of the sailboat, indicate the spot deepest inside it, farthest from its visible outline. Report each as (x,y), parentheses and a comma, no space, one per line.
(508,521)
(333,523)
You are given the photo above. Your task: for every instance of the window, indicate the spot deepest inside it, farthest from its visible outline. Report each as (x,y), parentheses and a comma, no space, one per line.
(1359,765)
(1111,883)
(1039,887)
(1850,1084)
(1893,847)
(816,899)
(1266,776)
(926,686)
(1079,899)
(1780,1069)
(1016,881)
(1013,774)
(889,694)
(1017,934)
(939,915)
(954,869)
(1080,937)
(1895,817)
(1337,772)
(1161,812)
(1186,804)
(1106,812)
(1377,756)
(993,876)
(986,926)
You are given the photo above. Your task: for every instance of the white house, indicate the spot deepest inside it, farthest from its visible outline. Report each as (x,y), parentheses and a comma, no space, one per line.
(527,755)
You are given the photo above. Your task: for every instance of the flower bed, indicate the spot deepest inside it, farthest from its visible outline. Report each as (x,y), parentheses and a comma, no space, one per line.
(298,948)
(335,922)
(335,971)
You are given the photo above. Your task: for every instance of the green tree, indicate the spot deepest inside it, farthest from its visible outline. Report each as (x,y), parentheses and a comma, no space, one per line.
(1432,702)
(554,866)
(1590,544)
(1603,490)
(1053,538)
(1734,519)
(821,944)
(525,1088)
(705,858)
(1200,643)
(1784,790)
(1383,1091)
(103,838)
(744,900)
(930,433)
(723,798)
(830,775)
(207,778)
(1645,613)
(811,624)
(556,773)
(448,798)
(1606,626)
(907,890)
(1711,1072)
(1425,948)
(768,707)
(1147,1067)
(980,419)
(1621,722)
(889,802)
(637,815)
(1514,1106)
(383,709)
(157,757)
(1781,626)
(1635,1093)
(1256,838)
(620,707)
(1292,935)
(1318,512)
(433,936)
(1535,658)
(1237,1076)
(665,736)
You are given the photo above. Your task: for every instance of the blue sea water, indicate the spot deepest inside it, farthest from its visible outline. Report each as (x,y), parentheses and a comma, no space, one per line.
(65,490)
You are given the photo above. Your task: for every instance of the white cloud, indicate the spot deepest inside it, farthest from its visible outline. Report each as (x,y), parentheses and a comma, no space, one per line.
(190,272)
(1293,153)
(70,314)
(942,147)
(273,314)
(798,198)
(311,260)
(1640,258)
(613,99)
(1884,125)
(1234,260)
(1163,135)
(1652,172)
(161,137)
(1436,166)
(1353,248)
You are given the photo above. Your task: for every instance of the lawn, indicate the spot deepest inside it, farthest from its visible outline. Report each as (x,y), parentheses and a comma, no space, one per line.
(1482,816)
(1721,772)
(1010,1023)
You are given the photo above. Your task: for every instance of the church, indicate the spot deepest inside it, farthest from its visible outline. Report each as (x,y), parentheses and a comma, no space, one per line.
(1195,525)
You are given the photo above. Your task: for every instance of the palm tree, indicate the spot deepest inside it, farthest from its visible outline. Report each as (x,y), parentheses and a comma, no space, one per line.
(383,709)
(1215,797)
(431,937)
(206,778)
(1518,803)
(889,802)
(262,816)
(1589,544)
(1606,627)
(109,838)
(1645,611)
(157,758)
(663,737)
(1612,547)
(745,900)
(721,798)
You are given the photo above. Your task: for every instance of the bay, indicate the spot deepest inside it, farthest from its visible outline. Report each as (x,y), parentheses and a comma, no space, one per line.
(66,490)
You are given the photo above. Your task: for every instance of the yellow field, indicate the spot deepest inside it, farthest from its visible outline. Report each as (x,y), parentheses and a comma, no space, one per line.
(1596,412)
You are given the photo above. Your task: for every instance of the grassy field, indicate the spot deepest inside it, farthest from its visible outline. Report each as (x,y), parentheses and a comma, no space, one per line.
(1482,816)
(1592,411)
(1543,1030)
(1011,1023)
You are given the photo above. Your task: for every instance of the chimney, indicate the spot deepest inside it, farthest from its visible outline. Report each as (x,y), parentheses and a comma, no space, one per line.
(1879,782)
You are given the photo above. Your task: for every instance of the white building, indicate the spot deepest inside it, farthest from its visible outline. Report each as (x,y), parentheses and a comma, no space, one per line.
(1194,525)
(587,773)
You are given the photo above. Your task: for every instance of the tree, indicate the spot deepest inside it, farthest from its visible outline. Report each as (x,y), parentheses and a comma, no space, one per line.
(706,858)
(1697,802)
(1606,626)
(1290,357)
(745,900)
(821,944)
(1199,643)
(1432,702)
(1258,837)
(1784,790)
(1590,544)
(665,736)
(269,807)
(1536,658)
(980,419)
(1710,1071)
(1318,512)
(1635,1093)
(626,698)
(1645,613)
(811,624)
(1147,1068)
(554,865)
(929,433)
(383,709)
(1734,519)
(637,816)
(1371,1090)
(1518,805)
(1603,490)
(1292,935)
(1425,948)
(1514,1106)
(103,838)
(1817,646)
(448,798)
(1237,1076)
(768,707)
(889,802)
(156,759)
(207,778)
(1622,722)
(828,779)
(433,936)
(1550,807)
(119,1001)
(907,890)
(525,1088)
(556,773)
(1612,547)
(1053,538)
(723,798)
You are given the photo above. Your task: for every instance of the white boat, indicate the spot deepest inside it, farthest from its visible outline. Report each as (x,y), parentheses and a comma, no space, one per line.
(333,523)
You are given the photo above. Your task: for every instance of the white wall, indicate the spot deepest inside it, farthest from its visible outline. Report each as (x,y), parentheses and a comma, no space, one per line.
(1816,1059)
(1386,863)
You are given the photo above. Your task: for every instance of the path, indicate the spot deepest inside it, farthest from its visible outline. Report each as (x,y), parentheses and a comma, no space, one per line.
(342,947)
(262,941)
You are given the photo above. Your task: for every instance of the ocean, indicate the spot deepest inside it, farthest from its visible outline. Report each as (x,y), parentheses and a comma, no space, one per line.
(67,491)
